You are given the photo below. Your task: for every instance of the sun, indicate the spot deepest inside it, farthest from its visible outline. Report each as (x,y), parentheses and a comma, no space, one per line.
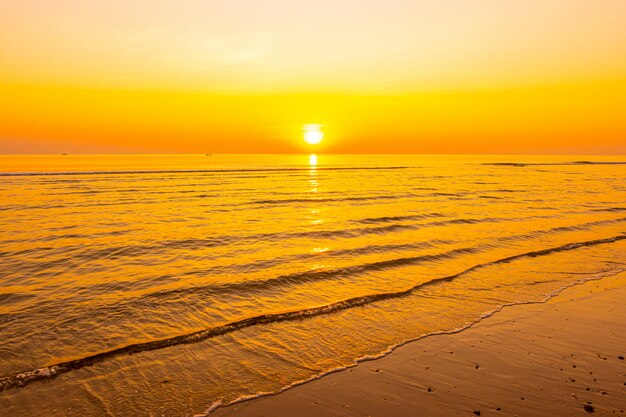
(313,134)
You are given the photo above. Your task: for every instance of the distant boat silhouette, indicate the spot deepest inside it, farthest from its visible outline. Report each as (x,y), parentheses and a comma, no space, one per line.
(64,153)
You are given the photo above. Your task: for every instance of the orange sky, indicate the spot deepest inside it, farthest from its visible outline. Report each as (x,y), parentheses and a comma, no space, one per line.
(244,76)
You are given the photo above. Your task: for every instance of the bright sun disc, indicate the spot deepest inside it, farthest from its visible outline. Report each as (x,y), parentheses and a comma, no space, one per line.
(313,134)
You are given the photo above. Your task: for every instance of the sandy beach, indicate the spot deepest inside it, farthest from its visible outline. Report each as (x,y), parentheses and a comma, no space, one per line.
(562,357)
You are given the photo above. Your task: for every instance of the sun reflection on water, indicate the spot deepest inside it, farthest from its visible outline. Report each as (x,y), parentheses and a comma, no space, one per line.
(320,250)
(313,182)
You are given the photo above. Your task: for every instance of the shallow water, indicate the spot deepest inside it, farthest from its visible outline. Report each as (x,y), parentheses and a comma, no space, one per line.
(161,285)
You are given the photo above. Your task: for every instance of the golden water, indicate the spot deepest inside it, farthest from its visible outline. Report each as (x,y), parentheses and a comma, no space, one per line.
(162,284)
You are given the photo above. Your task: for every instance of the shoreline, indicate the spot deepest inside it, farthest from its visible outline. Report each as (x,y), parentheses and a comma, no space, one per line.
(407,369)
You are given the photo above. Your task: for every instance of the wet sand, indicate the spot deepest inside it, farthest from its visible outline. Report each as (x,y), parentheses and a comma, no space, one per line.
(560,358)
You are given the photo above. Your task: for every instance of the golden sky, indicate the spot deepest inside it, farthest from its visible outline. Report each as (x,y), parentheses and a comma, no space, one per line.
(245,76)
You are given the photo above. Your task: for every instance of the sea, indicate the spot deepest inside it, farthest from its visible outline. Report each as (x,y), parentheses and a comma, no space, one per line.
(170,285)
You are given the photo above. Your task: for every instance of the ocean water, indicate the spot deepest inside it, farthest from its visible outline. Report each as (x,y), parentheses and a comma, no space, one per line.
(170,284)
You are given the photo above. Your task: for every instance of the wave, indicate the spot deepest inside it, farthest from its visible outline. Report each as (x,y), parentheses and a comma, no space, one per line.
(387,219)
(195,171)
(610,209)
(325,200)
(314,275)
(352,252)
(525,164)
(220,403)
(225,240)
(558,229)
(21,379)
(262,264)
(14,297)
(153,283)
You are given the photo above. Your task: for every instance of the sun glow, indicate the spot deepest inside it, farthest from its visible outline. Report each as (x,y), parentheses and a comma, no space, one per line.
(313,134)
